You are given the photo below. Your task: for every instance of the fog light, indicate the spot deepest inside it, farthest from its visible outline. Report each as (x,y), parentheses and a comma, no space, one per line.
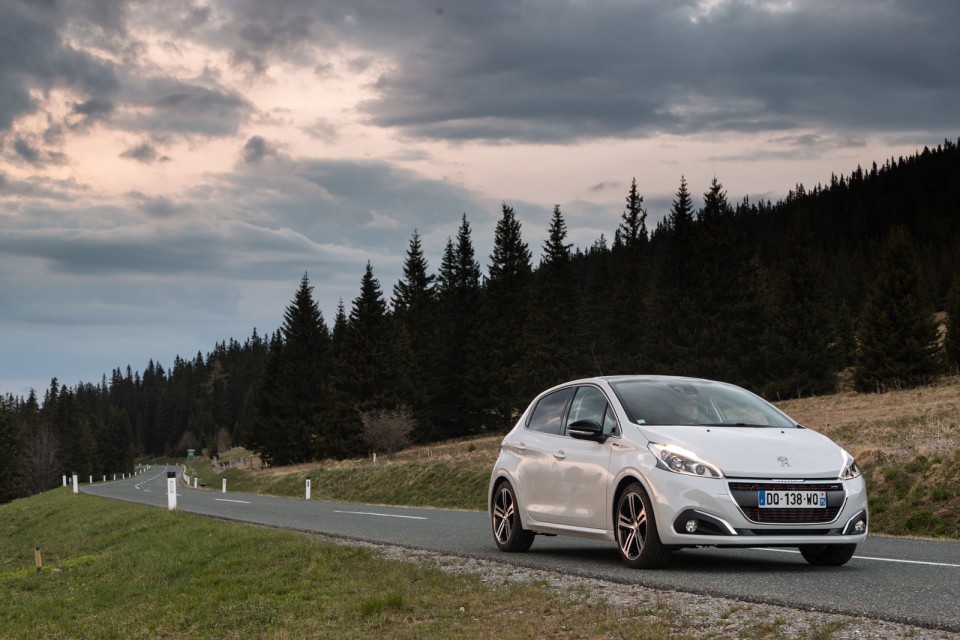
(860,526)
(691,526)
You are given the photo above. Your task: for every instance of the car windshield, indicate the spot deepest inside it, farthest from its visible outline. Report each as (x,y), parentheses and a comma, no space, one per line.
(685,402)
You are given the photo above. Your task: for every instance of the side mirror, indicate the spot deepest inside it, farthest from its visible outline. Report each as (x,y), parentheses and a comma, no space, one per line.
(586,430)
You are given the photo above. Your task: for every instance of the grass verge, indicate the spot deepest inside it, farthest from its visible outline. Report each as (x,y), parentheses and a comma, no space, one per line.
(117,570)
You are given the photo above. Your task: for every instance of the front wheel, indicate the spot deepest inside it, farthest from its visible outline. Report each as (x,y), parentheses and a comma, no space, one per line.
(824,555)
(637,537)
(508,531)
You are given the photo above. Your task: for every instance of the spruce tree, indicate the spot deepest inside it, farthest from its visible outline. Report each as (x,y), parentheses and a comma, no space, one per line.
(414,305)
(898,335)
(291,401)
(728,313)
(457,410)
(505,304)
(366,370)
(676,293)
(555,342)
(11,450)
(801,351)
(632,231)
(628,286)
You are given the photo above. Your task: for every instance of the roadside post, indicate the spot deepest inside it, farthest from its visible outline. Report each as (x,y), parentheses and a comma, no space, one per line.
(308,488)
(76,489)
(171,490)
(37,560)
(224,485)
(64,479)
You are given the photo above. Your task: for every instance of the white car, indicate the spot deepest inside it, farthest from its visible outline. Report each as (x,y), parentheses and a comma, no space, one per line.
(659,463)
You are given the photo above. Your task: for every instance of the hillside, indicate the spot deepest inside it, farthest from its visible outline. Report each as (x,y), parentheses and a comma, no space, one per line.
(907,443)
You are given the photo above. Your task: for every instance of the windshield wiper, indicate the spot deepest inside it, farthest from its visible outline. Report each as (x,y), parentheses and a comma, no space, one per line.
(736,424)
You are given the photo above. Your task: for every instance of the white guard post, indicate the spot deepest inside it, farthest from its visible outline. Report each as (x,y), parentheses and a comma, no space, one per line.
(308,488)
(171,490)
(224,485)
(76,489)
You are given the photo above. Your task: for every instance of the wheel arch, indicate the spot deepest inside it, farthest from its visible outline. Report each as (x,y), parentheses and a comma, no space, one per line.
(627,479)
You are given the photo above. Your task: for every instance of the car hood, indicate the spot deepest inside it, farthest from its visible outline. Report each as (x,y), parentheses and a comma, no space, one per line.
(752,452)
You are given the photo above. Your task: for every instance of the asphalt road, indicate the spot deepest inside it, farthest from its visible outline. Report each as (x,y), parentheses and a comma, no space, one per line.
(911,581)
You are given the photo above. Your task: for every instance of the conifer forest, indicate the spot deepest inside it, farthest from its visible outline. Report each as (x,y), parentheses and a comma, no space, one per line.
(853,282)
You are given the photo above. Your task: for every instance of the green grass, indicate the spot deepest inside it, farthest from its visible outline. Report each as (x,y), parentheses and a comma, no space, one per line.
(118,570)
(448,483)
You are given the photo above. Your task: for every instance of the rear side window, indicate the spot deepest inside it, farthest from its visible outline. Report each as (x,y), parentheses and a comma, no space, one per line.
(548,414)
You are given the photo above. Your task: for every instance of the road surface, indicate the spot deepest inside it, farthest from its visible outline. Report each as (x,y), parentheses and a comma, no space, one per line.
(910,581)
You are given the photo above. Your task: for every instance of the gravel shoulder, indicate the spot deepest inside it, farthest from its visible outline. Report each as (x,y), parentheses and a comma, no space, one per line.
(706,617)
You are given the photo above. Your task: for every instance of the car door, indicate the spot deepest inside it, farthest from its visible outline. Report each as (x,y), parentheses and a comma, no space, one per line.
(536,450)
(582,475)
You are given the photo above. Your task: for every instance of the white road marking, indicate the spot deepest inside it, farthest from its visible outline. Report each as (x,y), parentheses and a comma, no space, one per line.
(382,515)
(923,562)
(237,501)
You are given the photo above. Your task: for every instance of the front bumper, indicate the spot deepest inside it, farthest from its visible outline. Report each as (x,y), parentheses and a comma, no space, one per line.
(693,511)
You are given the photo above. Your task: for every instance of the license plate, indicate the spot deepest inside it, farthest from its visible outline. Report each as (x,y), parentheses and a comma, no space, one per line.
(792,499)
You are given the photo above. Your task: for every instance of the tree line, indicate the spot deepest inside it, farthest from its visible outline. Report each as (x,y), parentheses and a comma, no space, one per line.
(836,283)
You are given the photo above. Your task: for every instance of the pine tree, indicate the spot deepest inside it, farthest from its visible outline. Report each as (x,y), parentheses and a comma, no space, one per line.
(628,288)
(729,307)
(505,304)
(632,231)
(414,305)
(898,336)
(799,343)
(457,410)
(677,283)
(366,370)
(291,402)
(11,449)
(555,342)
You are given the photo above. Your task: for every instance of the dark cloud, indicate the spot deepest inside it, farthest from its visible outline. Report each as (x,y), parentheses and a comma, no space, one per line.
(169,106)
(255,150)
(157,206)
(33,55)
(145,153)
(94,107)
(553,71)
(26,151)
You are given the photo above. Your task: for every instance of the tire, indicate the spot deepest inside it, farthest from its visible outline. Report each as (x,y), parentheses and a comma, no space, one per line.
(508,531)
(832,555)
(636,530)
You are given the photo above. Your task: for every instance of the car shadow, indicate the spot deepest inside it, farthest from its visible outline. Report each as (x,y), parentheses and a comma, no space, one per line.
(700,561)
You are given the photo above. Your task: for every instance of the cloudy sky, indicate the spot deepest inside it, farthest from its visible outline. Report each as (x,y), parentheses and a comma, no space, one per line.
(169,169)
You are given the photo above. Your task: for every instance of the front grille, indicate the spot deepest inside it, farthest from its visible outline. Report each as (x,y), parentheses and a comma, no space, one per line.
(790,516)
(745,495)
(776,486)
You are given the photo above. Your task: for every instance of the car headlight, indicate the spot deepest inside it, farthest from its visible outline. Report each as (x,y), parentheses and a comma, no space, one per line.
(679,460)
(850,468)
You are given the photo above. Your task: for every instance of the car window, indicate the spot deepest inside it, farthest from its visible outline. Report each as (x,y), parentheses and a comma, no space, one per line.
(589,403)
(548,413)
(696,402)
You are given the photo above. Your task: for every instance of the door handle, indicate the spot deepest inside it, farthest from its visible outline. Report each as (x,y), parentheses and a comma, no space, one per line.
(560,455)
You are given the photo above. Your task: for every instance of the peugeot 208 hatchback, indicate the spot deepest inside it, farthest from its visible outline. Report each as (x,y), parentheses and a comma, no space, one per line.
(657,463)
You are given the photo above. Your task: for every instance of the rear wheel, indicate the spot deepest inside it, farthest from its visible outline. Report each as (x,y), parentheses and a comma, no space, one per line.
(824,555)
(508,531)
(637,537)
